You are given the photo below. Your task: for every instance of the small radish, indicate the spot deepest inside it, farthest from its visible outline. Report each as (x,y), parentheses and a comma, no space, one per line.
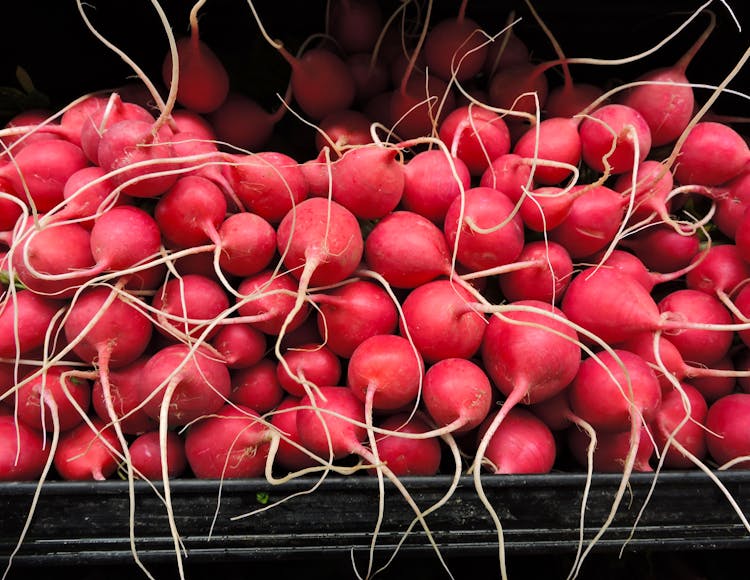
(661,248)
(713,153)
(23,453)
(257,387)
(306,365)
(687,430)
(247,242)
(509,174)
(553,139)
(70,395)
(727,436)
(476,136)
(25,318)
(266,299)
(87,452)
(284,419)
(356,24)
(408,456)
(242,122)
(548,268)
(240,345)
(612,450)
(146,455)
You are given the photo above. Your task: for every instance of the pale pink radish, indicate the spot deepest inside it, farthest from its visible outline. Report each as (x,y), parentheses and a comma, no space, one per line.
(351,313)
(522,444)
(232,443)
(146,455)
(432,181)
(614,138)
(439,319)
(257,387)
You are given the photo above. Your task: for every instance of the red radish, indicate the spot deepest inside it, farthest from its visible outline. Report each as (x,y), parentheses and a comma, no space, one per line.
(187,305)
(146,455)
(85,193)
(247,242)
(320,242)
(742,238)
(385,372)
(267,183)
(25,318)
(592,224)
(10,208)
(407,249)
(124,397)
(632,265)
(187,121)
(483,229)
(23,453)
(240,345)
(455,48)
(545,208)
(476,136)
(663,249)
(614,389)
(39,171)
(720,271)
(732,198)
(438,317)
(509,174)
(569,99)
(547,272)
(619,129)
(612,450)
(370,76)
(717,381)
(521,87)
(202,80)
(506,51)
(696,345)
(522,444)
(233,443)
(179,386)
(726,425)
(653,184)
(87,452)
(713,153)
(40,395)
(190,212)
(368,181)
(266,299)
(309,364)
(33,125)
(432,181)
(553,139)
(242,122)
(687,430)
(457,394)
(343,130)
(351,313)
(137,154)
(356,24)
(284,420)
(257,387)
(408,456)
(419,105)
(123,237)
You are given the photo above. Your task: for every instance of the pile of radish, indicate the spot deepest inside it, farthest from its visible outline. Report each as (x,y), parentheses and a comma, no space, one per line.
(479,269)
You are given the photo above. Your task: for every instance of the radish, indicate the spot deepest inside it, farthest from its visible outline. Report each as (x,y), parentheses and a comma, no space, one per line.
(720,271)
(614,389)
(202,79)
(247,243)
(457,394)
(686,429)
(240,345)
(553,139)
(521,444)
(439,319)
(306,366)
(180,385)
(351,313)
(482,228)
(408,456)
(545,273)
(54,391)
(727,438)
(25,318)
(713,153)
(343,130)
(522,87)
(732,199)
(289,456)
(455,48)
(612,450)
(355,24)
(265,301)
(721,379)
(257,387)
(653,185)
(85,193)
(240,121)
(232,443)
(146,455)
(508,173)
(431,182)
(87,452)
(23,453)
(631,265)
(267,183)
(371,78)
(476,136)
(663,249)
(614,138)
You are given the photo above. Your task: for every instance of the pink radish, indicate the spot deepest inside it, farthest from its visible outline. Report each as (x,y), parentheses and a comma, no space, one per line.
(618,128)
(508,173)
(438,317)
(408,456)
(240,345)
(266,299)
(547,270)
(720,271)
(146,455)
(457,394)
(418,105)
(306,365)
(653,184)
(24,320)
(732,198)
(483,229)
(247,242)
(476,136)
(284,419)
(661,248)
(123,237)
(612,450)
(430,184)
(87,452)
(727,436)
(85,193)
(230,444)
(712,154)
(40,395)
(351,313)
(553,139)
(522,444)
(23,453)
(688,430)
(257,387)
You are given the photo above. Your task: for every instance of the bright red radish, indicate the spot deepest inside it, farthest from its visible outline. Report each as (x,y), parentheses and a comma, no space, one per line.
(618,128)
(306,365)
(123,237)
(146,455)
(688,430)
(85,193)
(87,452)
(438,317)
(546,272)
(266,300)
(257,387)
(248,244)
(179,386)
(240,345)
(25,318)
(476,136)
(713,153)
(720,271)
(230,444)
(521,444)
(284,419)
(653,184)
(41,395)
(23,453)
(726,424)
(554,139)
(408,456)
(343,130)
(508,173)
(457,394)
(661,248)
(351,313)
(612,450)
